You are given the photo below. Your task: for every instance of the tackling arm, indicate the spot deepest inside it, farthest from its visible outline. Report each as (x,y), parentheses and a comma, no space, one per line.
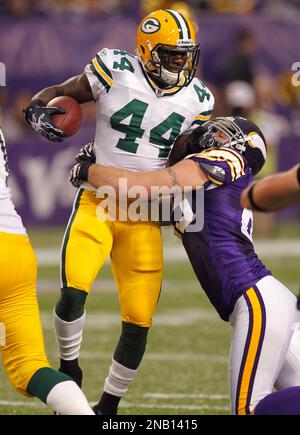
(274,192)
(186,173)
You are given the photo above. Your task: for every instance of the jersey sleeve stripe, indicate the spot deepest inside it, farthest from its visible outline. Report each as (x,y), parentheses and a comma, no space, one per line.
(218,158)
(99,74)
(238,156)
(99,68)
(213,180)
(103,66)
(231,156)
(206,113)
(198,122)
(202,117)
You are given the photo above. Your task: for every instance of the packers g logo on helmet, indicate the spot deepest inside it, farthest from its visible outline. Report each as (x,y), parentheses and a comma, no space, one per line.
(162,36)
(151,25)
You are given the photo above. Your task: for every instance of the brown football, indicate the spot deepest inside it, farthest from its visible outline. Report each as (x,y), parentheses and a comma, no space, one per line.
(70,121)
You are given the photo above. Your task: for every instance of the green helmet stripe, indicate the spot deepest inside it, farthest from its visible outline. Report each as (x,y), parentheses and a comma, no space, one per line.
(180,30)
(187,26)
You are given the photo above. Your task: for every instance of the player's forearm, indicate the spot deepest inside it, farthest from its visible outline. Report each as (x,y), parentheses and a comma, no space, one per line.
(185,174)
(47,94)
(77,87)
(274,192)
(118,179)
(100,175)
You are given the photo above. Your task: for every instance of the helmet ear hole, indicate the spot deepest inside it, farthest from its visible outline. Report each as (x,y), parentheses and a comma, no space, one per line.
(143,49)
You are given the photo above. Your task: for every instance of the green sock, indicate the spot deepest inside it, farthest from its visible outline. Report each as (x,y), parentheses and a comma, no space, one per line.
(43,381)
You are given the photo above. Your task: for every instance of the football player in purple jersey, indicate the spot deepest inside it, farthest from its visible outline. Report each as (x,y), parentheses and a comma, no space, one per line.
(223,156)
(274,192)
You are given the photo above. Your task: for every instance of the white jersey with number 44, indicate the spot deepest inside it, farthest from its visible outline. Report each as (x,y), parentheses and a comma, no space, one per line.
(137,123)
(10,221)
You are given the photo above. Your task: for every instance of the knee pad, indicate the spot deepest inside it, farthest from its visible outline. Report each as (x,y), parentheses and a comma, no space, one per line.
(71,304)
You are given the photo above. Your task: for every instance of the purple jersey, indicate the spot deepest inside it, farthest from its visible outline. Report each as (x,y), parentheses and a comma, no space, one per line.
(222,254)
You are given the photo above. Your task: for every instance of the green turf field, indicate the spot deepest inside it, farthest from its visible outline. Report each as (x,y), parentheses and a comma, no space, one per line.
(185,367)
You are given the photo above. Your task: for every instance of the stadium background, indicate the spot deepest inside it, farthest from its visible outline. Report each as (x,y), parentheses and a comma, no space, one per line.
(247,52)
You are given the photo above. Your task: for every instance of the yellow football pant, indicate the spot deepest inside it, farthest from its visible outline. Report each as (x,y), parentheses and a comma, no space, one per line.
(136,257)
(21,336)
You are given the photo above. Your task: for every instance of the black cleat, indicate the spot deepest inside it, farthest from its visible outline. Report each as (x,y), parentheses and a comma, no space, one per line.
(96,410)
(72,369)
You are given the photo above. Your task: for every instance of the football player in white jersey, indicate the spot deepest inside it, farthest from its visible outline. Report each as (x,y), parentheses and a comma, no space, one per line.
(21,336)
(143,102)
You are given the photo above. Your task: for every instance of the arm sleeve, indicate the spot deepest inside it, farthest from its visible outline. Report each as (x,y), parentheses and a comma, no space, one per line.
(222,165)
(99,74)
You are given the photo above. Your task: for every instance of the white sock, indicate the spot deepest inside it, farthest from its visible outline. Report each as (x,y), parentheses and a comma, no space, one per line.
(68,336)
(118,379)
(66,398)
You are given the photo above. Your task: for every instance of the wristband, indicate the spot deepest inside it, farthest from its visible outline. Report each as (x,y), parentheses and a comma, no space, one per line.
(252,202)
(84,170)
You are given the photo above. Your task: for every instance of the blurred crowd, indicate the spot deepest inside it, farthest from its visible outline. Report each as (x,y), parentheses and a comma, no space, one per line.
(242,86)
(22,8)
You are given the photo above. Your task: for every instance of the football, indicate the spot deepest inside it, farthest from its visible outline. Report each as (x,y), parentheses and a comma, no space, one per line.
(70,121)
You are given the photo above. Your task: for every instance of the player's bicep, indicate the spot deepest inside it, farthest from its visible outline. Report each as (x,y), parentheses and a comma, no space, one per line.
(185,174)
(77,87)
(189,174)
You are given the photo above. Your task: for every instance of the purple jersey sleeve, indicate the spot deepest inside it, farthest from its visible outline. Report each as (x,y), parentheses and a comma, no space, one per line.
(222,165)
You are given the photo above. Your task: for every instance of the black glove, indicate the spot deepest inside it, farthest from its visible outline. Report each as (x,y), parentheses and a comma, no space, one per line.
(85,158)
(86,153)
(199,139)
(38,117)
(79,173)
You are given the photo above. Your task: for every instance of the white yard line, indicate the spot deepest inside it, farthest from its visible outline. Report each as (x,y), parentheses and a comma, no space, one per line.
(108,285)
(102,320)
(19,403)
(186,396)
(266,249)
(124,405)
(169,357)
(188,407)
